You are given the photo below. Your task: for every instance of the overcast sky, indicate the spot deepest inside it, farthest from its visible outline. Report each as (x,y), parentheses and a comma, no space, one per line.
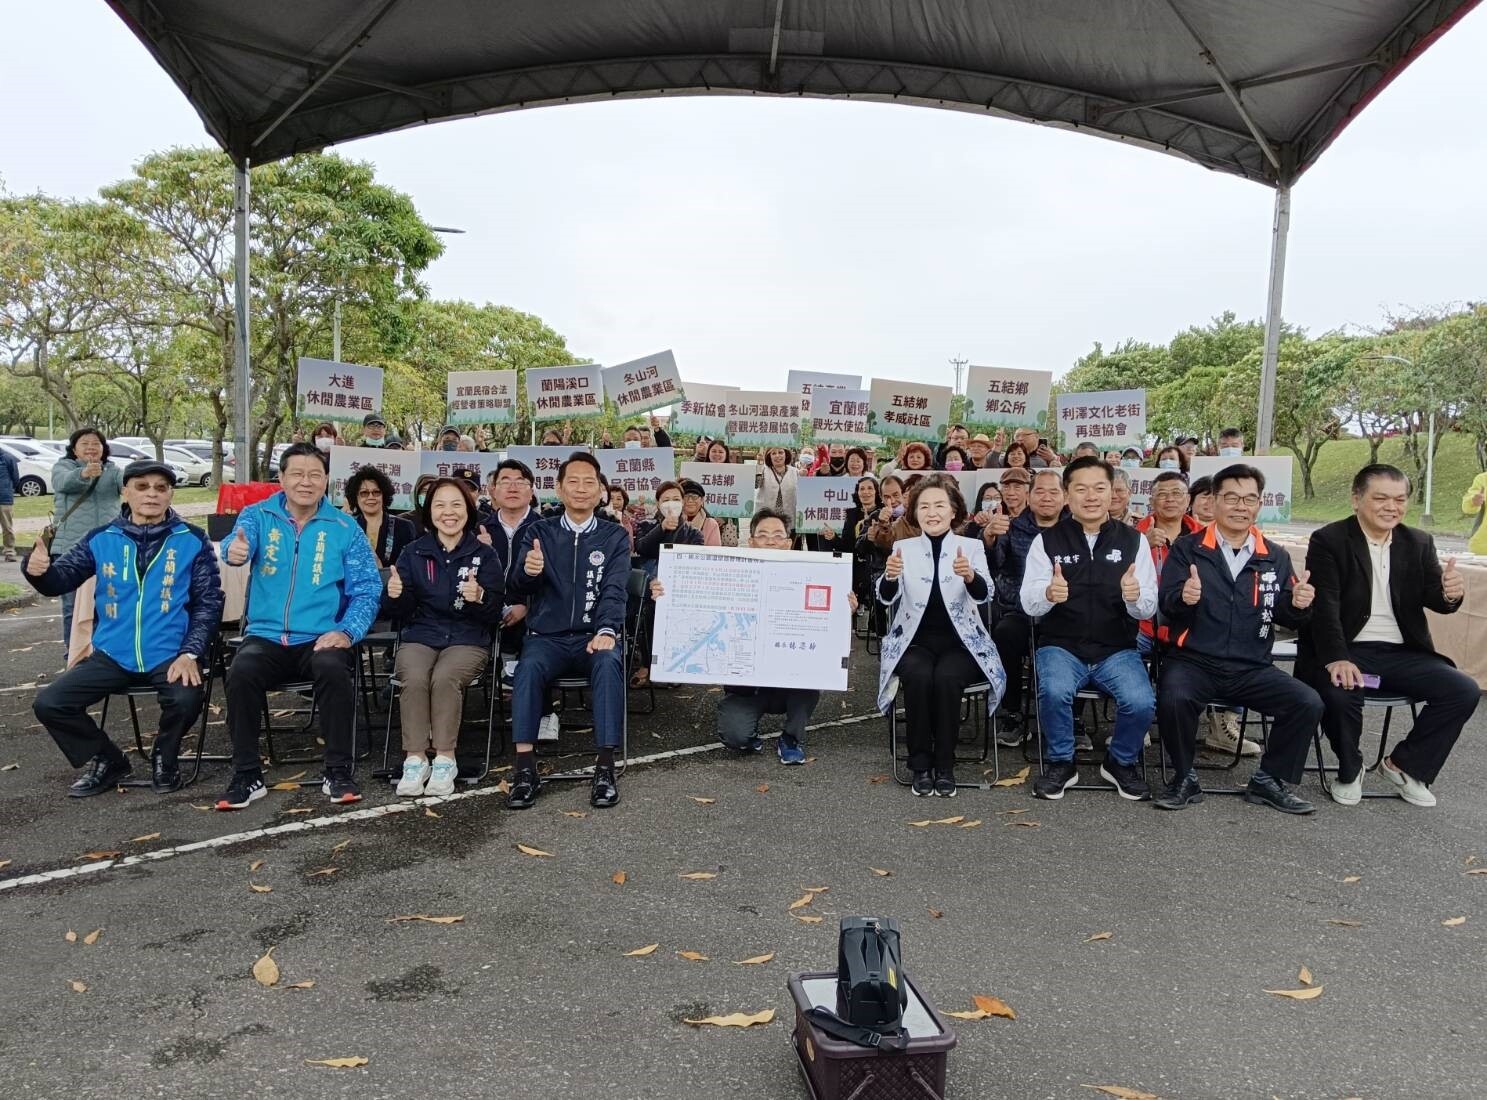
(753,235)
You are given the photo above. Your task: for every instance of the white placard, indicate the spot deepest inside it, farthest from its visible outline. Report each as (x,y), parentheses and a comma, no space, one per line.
(1143,480)
(823,502)
(970,482)
(704,410)
(1002,397)
(1275,501)
(544,463)
(644,384)
(805,382)
(729,486)
(909,410)
(637,470)
(327,390)
(565,393)
(481,397)
(840,416)
(761,618)
(1108,419)
(760,418)
(401,468)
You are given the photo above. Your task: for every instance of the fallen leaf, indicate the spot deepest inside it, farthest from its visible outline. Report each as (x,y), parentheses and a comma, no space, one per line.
(298,810)
(503,787)
(619,878)
(285,786)
(1122,1092)
(529,851)
(757,960)
(341,847)
(938,821)
(1014,780)
(78,987)
(92,937)
(877,779)
(257,889)
(693,956)
(100,855)
(1452,922)
(1006,813)
(1476,871)
(702,801)
(575,813)
(698,876)
(301,985)
(280,713)
(427,812)
(806,920)
(1352,879)
(969,824)
(71,936)
(323,871)
(336,1063)
(1470,860)
(735,1019)
(4,863)
(809,760)
(1024,824)
(937,913)
(265,970)
(801,903)
(640,952)
(1347,923)
(1310,993)
(296,775)
(880,872)
(817,889)
(428,919)
(194,806)
(994,1006)
(763,788)
(256,865)
(142,839)
(1304,977)
(1099,936)
(10,768)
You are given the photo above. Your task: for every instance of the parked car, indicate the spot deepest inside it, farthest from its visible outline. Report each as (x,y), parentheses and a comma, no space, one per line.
(35,465)
(198,469)
(121,454)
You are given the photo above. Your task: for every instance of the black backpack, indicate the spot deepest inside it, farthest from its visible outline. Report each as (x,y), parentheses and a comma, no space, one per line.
(870,989)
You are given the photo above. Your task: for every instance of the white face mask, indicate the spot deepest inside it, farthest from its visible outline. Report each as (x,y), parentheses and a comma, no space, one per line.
(671,508)
(1231,452)
(632,444)
(1168,464)
(323,442)
(373,442)
(1130,463)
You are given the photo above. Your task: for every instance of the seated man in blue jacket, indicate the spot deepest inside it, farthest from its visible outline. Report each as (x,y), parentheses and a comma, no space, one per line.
(158,604)
(313,594)
(574,570)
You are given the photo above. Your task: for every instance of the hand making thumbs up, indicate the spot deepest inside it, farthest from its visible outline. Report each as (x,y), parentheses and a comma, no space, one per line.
(1130,587)
(1453,584)
(470,589)
(237,549)
(1192,588)
(1302,592)
(962,566)
(1058,588)
(535,561)
(40,559)
(895,567)
(394,583)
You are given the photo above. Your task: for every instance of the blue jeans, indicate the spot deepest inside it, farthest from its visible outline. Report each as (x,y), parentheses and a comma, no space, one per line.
(1122,676)
(545,658)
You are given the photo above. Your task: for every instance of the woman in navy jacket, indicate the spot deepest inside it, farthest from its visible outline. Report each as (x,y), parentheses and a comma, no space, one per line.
(447,588)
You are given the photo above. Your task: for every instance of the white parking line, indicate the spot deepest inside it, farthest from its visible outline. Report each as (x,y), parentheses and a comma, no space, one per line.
(368,813)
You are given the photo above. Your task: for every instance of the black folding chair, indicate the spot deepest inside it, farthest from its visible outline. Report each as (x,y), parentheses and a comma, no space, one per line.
(1372,700)
(978,715)
(490,680)
(135,694)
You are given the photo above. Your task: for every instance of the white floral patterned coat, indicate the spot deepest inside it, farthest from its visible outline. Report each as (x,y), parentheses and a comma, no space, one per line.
(913,598)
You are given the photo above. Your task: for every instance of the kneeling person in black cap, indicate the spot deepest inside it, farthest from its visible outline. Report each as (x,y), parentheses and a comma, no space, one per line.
(157,604)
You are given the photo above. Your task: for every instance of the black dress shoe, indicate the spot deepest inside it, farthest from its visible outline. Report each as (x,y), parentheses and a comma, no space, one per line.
(102,773)
(524,789)
(165,775)
(1179,793)
(924,784)
(1268,791)
(605,794)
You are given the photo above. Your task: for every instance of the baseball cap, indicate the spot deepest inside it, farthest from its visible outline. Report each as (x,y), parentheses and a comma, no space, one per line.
(372,418)
(143,467)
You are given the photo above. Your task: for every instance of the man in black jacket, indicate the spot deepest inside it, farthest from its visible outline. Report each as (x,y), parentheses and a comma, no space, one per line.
(1221,593)
(1007,558)
(1375,577)
(574,570)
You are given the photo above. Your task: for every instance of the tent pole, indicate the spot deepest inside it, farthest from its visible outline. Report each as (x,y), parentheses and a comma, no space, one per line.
(241,407)
(1278,232)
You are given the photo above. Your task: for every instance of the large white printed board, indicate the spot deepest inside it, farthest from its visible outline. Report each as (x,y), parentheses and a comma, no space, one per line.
(753,618)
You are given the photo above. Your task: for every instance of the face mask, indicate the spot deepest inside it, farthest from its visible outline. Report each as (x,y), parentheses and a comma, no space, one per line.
(1169,464)
(374,442)
(449,446)
(898,510)
(1231,452)
(1130,463)
(671,508)
(632,444)
(323,442)
(955,464)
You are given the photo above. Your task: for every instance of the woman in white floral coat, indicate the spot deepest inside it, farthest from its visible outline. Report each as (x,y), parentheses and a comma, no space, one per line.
(937,645)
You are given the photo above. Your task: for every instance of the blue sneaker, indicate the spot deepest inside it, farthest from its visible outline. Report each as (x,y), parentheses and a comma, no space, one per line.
(790,751)
(756,744)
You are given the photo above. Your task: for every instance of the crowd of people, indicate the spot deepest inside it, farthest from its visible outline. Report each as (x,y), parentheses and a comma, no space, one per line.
(1046,584)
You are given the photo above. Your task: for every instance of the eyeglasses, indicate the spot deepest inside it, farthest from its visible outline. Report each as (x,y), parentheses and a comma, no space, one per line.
(1234,500)
(1174,494)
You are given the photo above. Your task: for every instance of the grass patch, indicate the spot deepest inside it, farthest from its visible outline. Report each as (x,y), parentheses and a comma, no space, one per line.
(41,507)
(9,591)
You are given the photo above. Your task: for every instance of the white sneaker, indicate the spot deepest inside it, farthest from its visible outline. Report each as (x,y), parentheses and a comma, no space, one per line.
(1223,734)
(1410,789)
(415,775)
(441,776)
(547,729)
(1347,794)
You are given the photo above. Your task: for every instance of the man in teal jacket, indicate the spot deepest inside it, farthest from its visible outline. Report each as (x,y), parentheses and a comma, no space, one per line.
(313,593)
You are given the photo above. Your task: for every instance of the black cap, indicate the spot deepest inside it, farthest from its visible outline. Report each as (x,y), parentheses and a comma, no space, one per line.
(372,418)
(448,429)
(142,467)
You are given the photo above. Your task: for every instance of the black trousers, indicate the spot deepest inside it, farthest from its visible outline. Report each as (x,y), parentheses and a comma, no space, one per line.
(261,666)
(932,677)
(62,707)
(1188,687)
(1012,634)
(1448,694)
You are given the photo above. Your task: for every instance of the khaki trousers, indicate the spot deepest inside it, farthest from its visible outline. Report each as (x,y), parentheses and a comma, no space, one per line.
(432,696)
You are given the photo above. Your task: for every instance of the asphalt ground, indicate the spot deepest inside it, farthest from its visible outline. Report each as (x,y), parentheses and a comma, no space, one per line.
(531,994)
